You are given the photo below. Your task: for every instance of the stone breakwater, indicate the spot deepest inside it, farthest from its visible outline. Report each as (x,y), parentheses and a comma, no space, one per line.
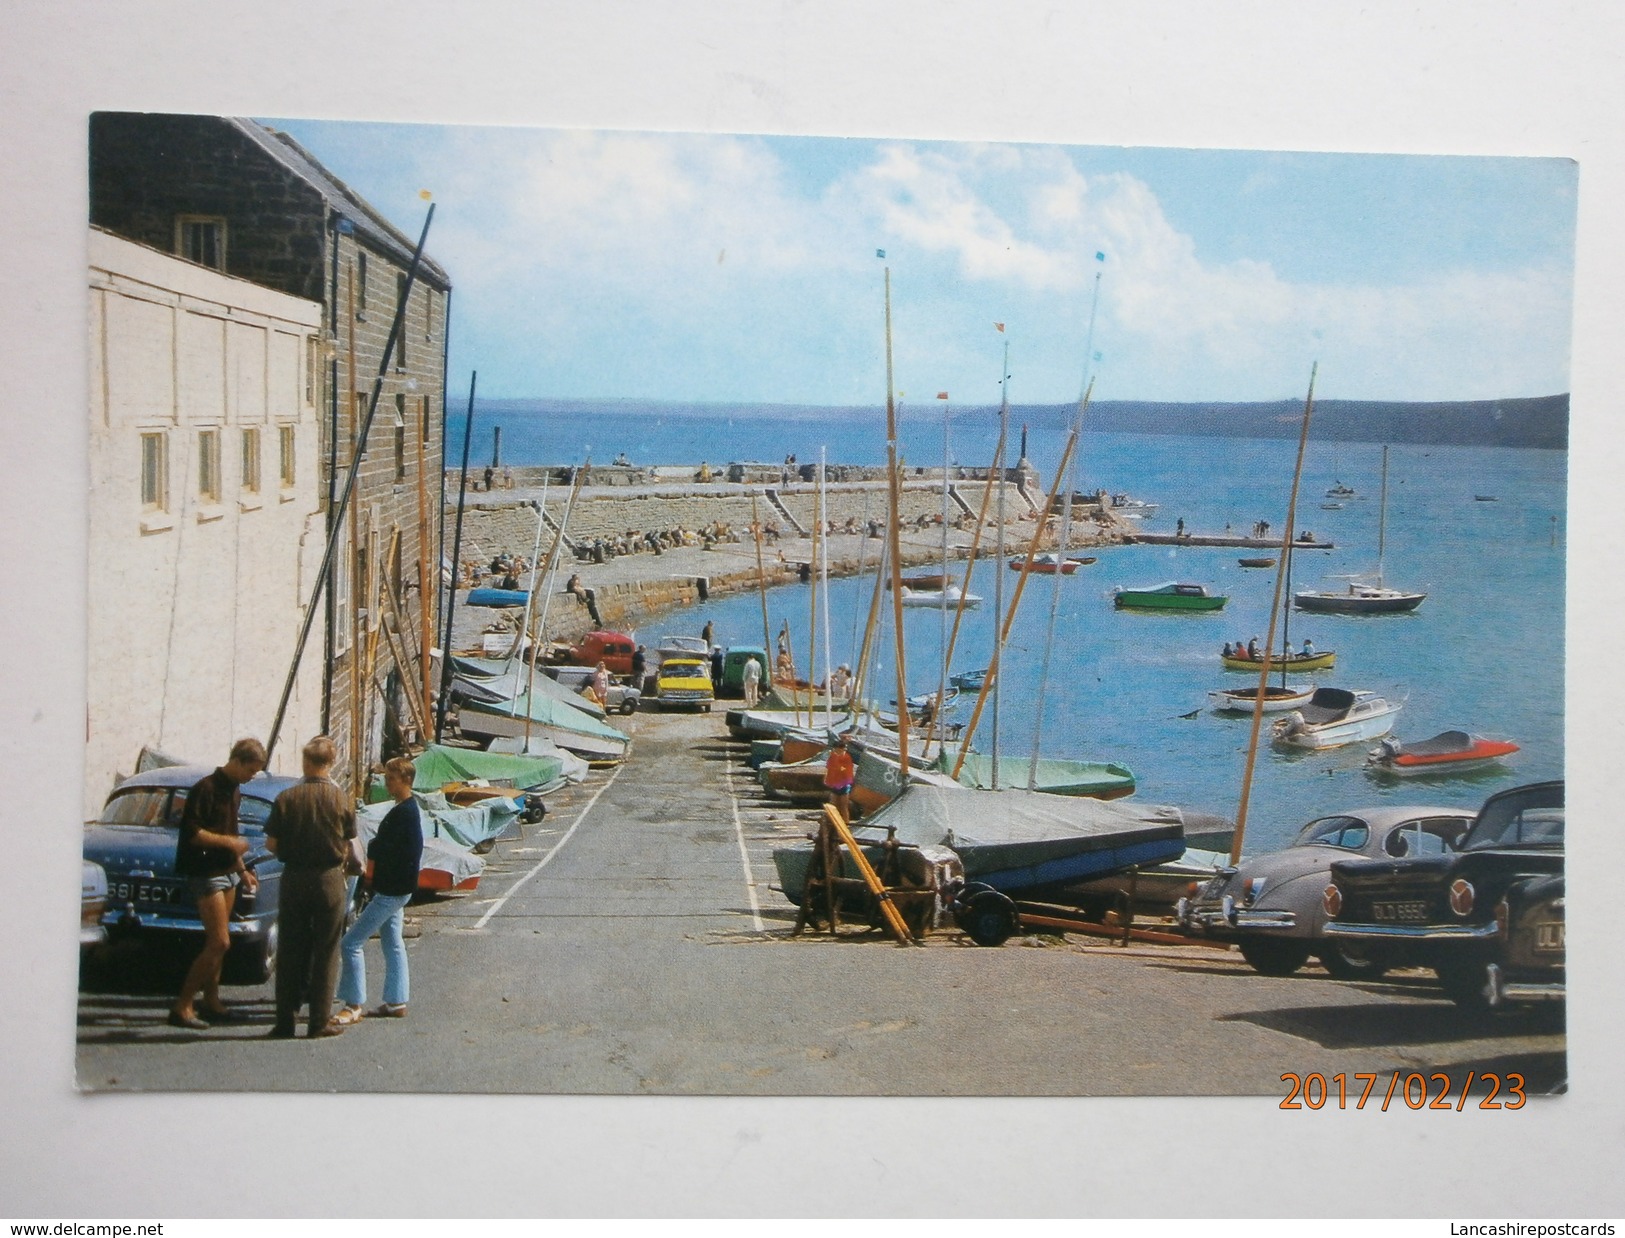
(626,591)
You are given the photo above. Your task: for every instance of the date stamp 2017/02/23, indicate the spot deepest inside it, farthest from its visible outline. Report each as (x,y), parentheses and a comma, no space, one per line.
(1413,1089)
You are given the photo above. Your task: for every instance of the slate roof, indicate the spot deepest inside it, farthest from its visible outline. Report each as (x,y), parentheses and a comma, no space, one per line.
(340,198)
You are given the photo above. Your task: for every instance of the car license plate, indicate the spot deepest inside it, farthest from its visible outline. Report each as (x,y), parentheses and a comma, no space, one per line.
(1400,913)
(141,892)
(1549,936)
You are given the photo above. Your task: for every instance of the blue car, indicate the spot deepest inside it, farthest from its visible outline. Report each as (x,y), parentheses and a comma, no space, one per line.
(134,841)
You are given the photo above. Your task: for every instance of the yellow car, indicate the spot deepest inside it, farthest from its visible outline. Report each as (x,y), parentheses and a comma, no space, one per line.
(684,682)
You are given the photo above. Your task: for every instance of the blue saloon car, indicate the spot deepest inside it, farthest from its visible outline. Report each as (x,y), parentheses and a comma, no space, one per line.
(134,841)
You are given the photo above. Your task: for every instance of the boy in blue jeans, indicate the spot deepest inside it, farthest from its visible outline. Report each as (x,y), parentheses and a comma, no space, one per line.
(395,853)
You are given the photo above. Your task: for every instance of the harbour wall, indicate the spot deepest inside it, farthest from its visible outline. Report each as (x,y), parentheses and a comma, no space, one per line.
(626,591)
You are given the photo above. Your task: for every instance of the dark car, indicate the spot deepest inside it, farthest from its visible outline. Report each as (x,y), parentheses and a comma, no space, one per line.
(1489,920)
(1271,905)
(134,841)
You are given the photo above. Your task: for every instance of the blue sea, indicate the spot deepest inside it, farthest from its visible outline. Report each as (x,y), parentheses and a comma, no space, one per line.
(1484,653)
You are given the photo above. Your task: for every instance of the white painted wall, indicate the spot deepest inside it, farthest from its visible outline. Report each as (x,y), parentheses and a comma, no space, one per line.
(194,610)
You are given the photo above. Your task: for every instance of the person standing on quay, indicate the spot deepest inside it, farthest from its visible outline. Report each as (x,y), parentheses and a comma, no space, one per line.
(839,775)
(395,852)
(753,682)
(707,632)
(640,667)
(209,854)
(311,829)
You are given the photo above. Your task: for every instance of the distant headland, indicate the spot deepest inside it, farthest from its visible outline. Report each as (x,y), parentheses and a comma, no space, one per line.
(1532,422)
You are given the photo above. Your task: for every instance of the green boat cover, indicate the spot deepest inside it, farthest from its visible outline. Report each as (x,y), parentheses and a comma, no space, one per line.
(438,764)
(1055,776)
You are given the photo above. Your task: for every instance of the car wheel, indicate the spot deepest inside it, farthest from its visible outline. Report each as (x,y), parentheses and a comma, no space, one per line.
(1464,984)
(1348,962)
(629,705)
(252,963)
(988,918)
(1275,958)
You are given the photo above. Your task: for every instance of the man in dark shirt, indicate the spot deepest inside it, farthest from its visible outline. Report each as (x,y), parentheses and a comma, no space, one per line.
(395,853)
(209,855)
(311,829)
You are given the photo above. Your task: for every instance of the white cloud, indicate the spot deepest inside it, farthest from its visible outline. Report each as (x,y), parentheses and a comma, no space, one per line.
(679,261)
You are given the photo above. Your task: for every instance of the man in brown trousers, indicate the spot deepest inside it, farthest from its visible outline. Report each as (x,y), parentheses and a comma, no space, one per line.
(311,829)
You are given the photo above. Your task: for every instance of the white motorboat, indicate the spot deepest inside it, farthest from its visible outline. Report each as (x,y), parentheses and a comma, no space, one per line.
(949,596)
(1337,716)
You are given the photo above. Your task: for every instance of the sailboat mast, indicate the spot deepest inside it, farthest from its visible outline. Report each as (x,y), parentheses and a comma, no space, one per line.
(1240,835)
(998,575)
(894,536)
(1382,516)
(1063,544)
(942,602)
(823,571)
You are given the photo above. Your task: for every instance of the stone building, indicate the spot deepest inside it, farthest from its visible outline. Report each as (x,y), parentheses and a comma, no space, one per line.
(205,510)
(236,196)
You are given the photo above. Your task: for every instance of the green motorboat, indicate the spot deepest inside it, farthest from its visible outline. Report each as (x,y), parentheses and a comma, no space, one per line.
(1171,596)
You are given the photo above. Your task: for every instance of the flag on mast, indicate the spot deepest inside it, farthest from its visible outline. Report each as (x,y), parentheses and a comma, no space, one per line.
(942,395)
(998,326)
(880,253)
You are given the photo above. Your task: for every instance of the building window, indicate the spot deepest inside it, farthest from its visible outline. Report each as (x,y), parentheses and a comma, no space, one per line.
(208,465)
(400,438)
(341,603)
(201,239)
(361,285)
(155,472)
(400,335)
(286,471)
(251,460)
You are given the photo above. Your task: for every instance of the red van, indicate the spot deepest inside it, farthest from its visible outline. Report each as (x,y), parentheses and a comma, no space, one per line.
(613,649)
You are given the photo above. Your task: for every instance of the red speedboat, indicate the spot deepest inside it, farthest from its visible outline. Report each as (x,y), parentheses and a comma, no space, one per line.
(1448,752)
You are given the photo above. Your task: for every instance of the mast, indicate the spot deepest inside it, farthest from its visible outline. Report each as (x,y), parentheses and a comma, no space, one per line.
(456,565)
(1269,642)
(998,575)
(942,606)
(894,536)
(1382,516)
(547,585)
(823,570)
(761,581)
(1063,544)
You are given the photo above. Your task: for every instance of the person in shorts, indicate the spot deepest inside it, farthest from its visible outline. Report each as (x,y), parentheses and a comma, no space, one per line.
(209,855)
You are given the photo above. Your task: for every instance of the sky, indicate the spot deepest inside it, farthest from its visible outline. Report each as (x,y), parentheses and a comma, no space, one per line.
(688,267)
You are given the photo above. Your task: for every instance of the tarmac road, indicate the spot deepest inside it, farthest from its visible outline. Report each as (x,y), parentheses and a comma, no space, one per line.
(630,944)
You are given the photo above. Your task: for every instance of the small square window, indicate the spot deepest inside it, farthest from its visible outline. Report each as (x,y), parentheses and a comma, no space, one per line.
(251,460)
(201,239)
(155,472)
(208,465)
(285,441)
